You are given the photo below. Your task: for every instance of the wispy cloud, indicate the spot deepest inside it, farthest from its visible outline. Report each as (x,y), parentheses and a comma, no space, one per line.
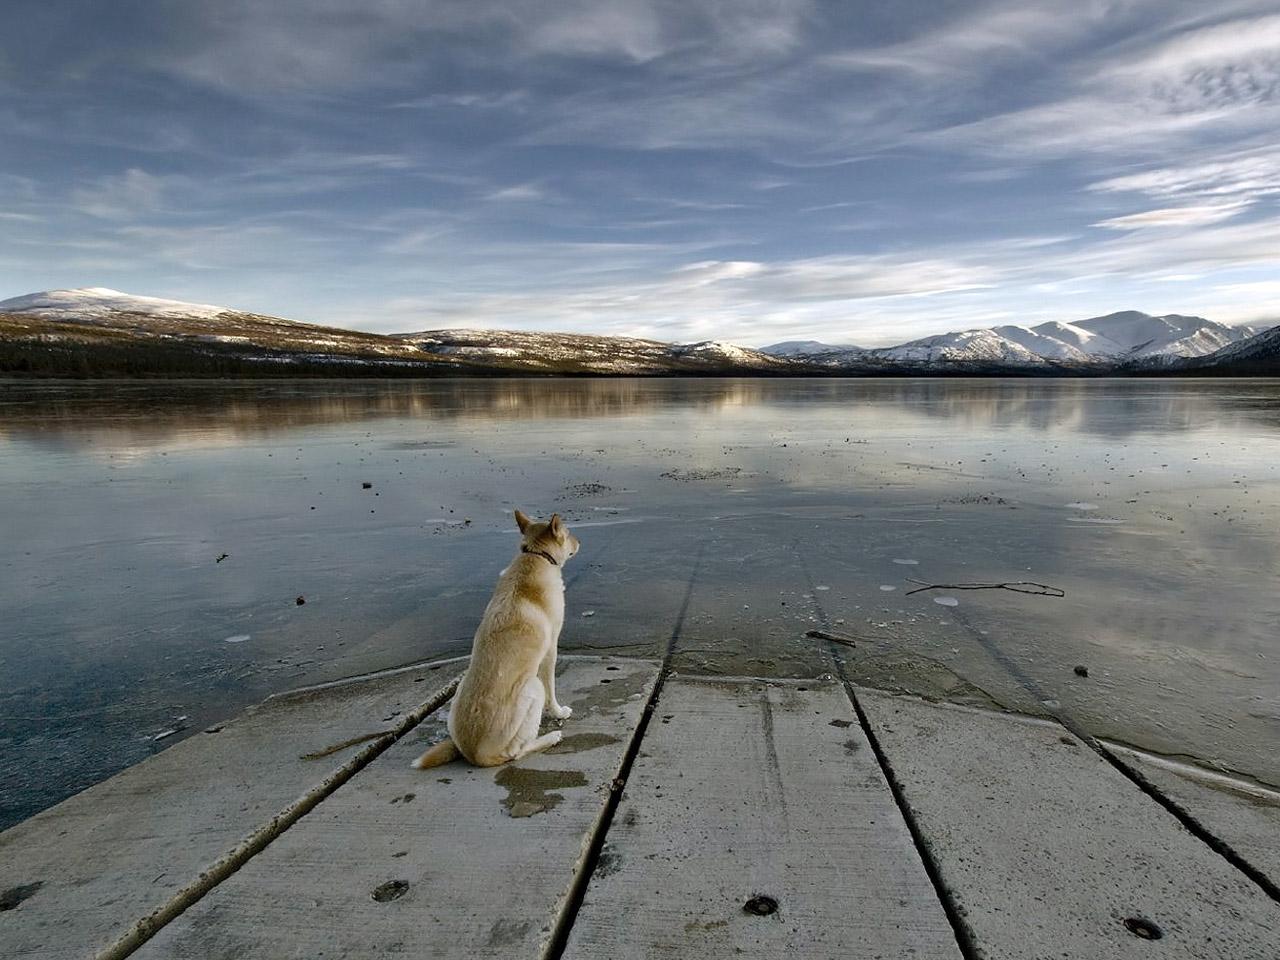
(324,45)
(744,299)
(497,100)
(1193,216)
(124,196)
(520,192)
(954,49)
(1249,177)
(633,31)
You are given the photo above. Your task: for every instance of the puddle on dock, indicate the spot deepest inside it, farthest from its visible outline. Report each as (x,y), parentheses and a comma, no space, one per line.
(12,898)
(1152,504)
(530,791)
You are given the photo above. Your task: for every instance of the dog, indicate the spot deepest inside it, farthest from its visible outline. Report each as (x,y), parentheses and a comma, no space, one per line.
(512,675)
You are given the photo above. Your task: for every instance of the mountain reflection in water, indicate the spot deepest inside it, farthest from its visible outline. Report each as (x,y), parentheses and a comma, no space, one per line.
(157,412)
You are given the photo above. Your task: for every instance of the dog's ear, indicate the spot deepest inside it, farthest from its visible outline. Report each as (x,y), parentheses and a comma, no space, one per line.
(522,521)
(556,527)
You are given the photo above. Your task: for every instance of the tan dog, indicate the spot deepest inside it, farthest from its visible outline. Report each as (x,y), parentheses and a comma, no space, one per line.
(512,675)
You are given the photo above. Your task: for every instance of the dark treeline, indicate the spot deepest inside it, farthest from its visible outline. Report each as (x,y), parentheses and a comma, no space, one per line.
(97,360)
(113,355)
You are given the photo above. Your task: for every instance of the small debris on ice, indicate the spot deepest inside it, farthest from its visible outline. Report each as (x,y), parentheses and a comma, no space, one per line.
(947,601)
(179,724)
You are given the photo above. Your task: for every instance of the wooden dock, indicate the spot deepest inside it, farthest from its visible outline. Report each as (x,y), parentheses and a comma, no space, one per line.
(681,816)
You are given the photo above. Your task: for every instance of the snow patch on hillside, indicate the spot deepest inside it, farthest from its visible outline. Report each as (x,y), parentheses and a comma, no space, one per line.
(968,346)
(87,304)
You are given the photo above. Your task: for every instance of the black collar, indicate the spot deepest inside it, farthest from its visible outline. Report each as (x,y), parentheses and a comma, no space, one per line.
(541,553)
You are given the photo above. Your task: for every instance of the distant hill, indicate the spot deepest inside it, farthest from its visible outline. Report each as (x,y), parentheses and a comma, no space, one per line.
(583,353)
(100,332)
(95,331)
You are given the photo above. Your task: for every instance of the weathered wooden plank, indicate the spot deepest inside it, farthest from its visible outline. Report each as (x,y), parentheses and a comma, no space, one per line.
(106,865)
(457,861)
(1048,850)
(1243,815)
(747,789)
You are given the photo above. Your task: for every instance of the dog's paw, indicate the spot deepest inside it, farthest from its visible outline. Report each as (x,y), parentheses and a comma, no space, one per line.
(560,712)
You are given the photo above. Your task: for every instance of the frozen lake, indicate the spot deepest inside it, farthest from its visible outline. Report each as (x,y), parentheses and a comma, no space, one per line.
(737,513)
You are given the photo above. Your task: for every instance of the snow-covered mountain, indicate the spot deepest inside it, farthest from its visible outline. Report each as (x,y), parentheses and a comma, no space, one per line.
(1133,334)
(1115,338)
(1258,356)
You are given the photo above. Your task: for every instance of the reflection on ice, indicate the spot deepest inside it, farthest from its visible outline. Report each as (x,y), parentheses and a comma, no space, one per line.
(116,501)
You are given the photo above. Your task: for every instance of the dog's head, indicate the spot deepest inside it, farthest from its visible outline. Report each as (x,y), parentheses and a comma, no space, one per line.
(552,537)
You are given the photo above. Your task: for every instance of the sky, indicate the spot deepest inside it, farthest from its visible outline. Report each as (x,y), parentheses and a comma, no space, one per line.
(750,171)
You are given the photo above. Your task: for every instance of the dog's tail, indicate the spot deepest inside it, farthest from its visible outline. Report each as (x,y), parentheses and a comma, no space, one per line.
(438,755)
